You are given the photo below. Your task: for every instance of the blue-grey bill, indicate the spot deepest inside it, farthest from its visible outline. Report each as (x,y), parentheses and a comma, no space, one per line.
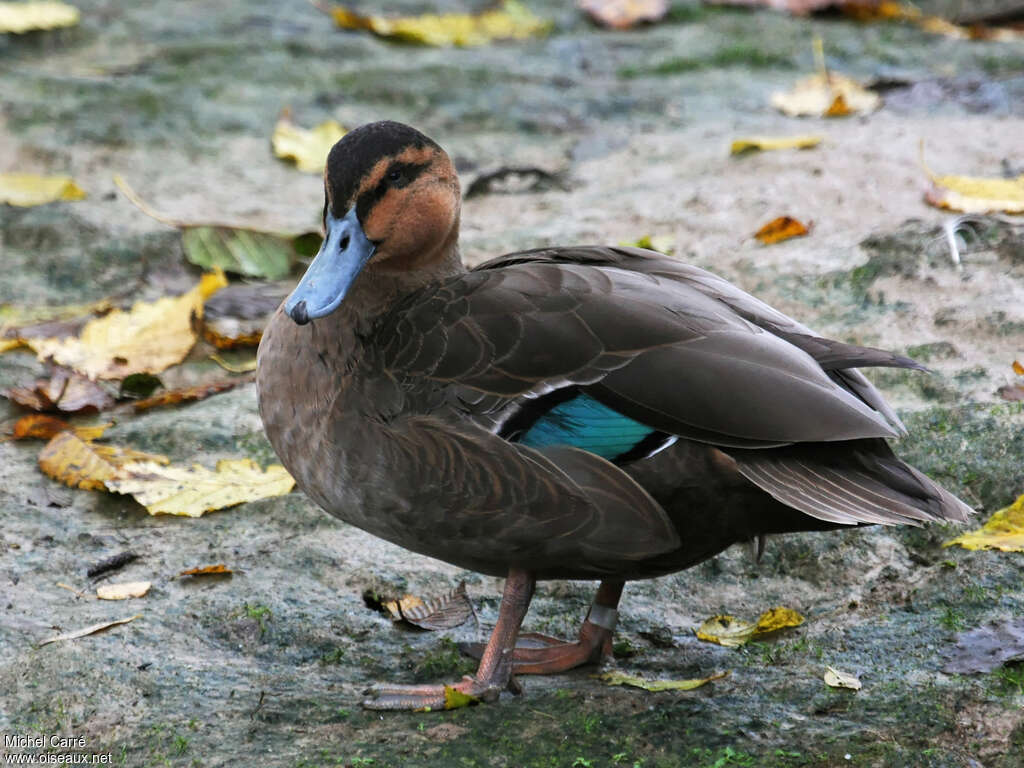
(343,254)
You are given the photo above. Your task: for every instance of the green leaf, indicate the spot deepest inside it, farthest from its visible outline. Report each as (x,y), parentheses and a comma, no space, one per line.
(243,251)
(620,678)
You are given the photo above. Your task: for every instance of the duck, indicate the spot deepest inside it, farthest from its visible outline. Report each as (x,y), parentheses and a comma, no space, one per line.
(578,412)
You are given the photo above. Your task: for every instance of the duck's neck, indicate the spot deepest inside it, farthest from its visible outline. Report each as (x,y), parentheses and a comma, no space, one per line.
(377,288)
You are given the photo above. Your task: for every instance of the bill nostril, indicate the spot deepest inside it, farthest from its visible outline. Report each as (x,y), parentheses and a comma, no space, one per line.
(299,313)
(344,243)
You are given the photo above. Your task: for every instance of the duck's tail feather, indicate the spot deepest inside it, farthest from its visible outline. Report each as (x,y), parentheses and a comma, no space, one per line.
(852,482)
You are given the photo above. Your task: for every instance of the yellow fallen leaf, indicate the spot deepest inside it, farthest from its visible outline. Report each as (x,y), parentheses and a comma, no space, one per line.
(88,630)
(731,632)
(123,591)
(836,679)
(1004,531)
(28,17)
(1018,368)
(512,21)
(147,339)
(620,678)
(6,344)
(829,95)
(172,490)
(307,147)
(782,228)
(244,367)
(27,189)
(825,94)
(726,630)
(767,143)
(971,194)
(18,315)
(86,465)
(775,619)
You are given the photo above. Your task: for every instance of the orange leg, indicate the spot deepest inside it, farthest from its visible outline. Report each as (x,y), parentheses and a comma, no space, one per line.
(538,654)
(495,671)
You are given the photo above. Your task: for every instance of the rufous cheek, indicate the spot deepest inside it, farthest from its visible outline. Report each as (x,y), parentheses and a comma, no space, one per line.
(421,226)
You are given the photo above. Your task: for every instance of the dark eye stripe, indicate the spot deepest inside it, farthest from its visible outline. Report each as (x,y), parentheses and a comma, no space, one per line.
(409,172)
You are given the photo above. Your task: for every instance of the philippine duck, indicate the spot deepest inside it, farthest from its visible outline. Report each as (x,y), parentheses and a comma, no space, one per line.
(574,412)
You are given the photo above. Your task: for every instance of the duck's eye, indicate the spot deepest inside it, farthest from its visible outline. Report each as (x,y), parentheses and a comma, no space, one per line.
(395,176)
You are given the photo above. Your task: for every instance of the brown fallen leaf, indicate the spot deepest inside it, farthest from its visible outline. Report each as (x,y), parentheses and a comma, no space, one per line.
(148,339)
(26,189)
(186,395)
(1004,531)
(193,491)
(1018,368)
(510,21)
(64,391)
(623,14)
(86,465)
(1012,392)
(87,630)
(237,315)
(987,648)
(208,570)
(41,426)
(655,686)
(836,679)
(123,591)
(445,612)
(782,228)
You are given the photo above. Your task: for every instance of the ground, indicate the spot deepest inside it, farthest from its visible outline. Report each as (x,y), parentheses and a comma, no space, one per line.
(266,667)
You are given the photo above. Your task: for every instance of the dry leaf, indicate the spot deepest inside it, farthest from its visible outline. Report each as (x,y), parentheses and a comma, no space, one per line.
(620,678)
(836,679)
(237,315)
(1004,531)
(731,632)
(242,251)
(1012,392)
(767,143)
(123,591)
(65,391)
(45,427)
(1018,368)
(445,612)
(27,189)
(308,147)
(971,194)
(81,464)
(830,95)
(512,21)
(623,14)
(782,228)
(6,344)
(18,18)
(148,339)
(88,630)
(208,570)
(172,490)
(186,395)
(244,367)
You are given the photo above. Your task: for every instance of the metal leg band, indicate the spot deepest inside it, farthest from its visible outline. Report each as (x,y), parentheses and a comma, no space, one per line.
(603,616)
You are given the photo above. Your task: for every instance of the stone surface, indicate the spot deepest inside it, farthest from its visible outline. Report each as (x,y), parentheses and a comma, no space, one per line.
(265,667)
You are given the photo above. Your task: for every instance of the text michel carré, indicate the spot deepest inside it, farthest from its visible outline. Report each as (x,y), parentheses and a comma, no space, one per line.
(41,742)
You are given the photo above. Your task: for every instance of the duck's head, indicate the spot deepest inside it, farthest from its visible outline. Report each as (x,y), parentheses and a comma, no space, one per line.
(391,202)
